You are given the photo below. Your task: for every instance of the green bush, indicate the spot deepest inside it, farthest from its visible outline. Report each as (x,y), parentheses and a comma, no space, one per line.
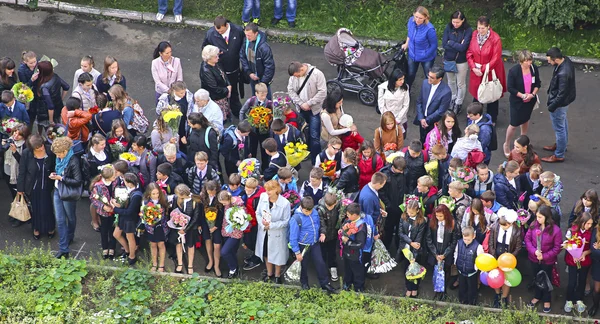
(557,13)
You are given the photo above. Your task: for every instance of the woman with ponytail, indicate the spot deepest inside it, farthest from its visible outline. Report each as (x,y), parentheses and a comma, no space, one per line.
(523,154)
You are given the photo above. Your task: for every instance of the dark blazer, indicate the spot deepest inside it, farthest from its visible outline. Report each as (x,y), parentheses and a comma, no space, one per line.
(348,181)
(274,165)
(229,58)
(514,83)
(214,80)
(229,147)
(526,185)
(440,102)
(19,112)
(179,166)
(293,136)
(102,121)
(409,232)
(103,87)
(197,143)
(28,170)
(515,244)
(448,244)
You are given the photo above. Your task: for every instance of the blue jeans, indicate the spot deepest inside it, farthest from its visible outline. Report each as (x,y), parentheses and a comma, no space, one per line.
(314,128)
(66,219)
(560,123)
(229,252)
(413,67)
(269,94)
(251,5)
(290,13)
(177,6)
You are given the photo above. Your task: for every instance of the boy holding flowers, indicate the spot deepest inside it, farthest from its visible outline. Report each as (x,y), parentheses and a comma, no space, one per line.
(353,236)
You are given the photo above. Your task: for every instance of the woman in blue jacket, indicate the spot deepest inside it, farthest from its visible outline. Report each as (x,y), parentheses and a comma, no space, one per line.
(421,43)
(456,40)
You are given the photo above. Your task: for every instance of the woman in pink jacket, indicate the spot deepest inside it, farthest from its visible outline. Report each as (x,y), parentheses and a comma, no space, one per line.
(166,69)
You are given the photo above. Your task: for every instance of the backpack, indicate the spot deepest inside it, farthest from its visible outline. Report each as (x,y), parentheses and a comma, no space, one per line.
(229,131)
(207,142)
(144,182)
(139,122)
(287,166)
(474,158)
(302,125)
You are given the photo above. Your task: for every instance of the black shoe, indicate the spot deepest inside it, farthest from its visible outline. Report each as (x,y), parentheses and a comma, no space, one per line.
(51,235)
(232,275)
(328,288)
(346,287)
(105,256)
(497,301)
(111,256)
(592,311)
(16,223)
(62,255)
(442,296)
(292,24)
(124,255)
(36,237)
(208,270)
(305,287)
(179,271)
(131,261)
(275,21)
(250,265)
(278,280)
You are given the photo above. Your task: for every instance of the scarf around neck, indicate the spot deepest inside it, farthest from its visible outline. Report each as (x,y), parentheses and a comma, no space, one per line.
(482,39)
(11,162)
(61,164)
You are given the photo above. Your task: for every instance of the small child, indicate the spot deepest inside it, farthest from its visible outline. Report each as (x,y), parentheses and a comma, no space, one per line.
(304,227)
(101,192)
(128,217)
(486,128)
(291,117)
(252,193)
(329,214)
(415,163)
(352,247)
(157,234)
(467,143)
(232,239)
(200,173)
(165,181)
(439,154)
(454,164)
(314,187)
(235,145)
(350,139)
(428,192)
(456,191)
(277,159)
(235,185)
(465,254)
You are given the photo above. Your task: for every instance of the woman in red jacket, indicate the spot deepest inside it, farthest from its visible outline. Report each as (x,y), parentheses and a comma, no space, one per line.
(485,48)
(368,163)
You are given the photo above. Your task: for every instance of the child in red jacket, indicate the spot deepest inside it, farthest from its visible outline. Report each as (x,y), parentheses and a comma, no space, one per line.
(351,139)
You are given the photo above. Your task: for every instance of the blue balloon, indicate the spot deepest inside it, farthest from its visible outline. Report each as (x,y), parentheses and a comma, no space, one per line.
(483,277)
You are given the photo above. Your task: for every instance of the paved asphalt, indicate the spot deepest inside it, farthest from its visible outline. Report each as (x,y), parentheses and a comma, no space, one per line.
(67,38)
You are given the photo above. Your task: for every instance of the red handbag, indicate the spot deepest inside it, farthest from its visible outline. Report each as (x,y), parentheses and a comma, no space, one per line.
(486,242)
(555,276)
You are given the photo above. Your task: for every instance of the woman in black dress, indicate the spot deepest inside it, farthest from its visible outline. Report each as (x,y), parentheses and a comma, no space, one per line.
(157,234)
(37,162)
(184,203)
(523,83)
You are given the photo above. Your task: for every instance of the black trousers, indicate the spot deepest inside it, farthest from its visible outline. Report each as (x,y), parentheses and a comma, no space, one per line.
(13,193)
(354,274)
(544,296)
(424,131)
(234,99)
(328,249)
(255,146)
(313,253)
(467,289)
(576,286)
(230,168)
(250,242)
(390,228)
(106,233)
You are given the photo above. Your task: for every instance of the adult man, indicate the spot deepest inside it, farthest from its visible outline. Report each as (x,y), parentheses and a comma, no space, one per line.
(308,89)
(290,13)
(433,101)
(228,38)
(257,59)
(561,93)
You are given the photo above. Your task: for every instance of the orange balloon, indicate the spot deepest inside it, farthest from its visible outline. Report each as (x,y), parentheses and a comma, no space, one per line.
(507,261)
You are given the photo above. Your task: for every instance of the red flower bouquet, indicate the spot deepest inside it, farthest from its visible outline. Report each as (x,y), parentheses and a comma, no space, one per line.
(329,168)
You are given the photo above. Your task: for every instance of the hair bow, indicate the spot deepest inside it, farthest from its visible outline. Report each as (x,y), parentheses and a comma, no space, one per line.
(534,198)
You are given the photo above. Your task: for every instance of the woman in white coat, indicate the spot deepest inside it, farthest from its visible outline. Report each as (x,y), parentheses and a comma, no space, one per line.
(393,95)
(273,216)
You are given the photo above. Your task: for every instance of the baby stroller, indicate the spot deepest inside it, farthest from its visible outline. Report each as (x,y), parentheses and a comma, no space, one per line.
(360,69)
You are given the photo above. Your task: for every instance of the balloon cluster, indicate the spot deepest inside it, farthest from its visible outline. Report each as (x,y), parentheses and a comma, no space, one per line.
(495,273)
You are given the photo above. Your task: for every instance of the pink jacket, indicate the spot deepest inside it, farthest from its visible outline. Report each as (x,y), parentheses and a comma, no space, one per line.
(166,74)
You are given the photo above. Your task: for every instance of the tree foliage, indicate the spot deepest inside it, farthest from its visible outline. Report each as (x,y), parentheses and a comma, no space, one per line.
(557,13)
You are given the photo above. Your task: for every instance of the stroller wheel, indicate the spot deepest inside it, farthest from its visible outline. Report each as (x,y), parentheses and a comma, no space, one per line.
(367,97)
(334,85)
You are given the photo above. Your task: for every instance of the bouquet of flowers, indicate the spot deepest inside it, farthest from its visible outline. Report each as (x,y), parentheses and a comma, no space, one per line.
(522,217)
(172,115)
(55,132)
(249,168)
(101,198)
(211,216)
(292,274)
(94,110)
(237,219)
(414,271)
(293,197)
(281,101)
(381,261)
(22,92)
(389,148)
(121,195)
(448,201)
(574,245)
(343,206)
(464,175)
(130,158)
(260,117)
(8,124)
(117,146)
(179,221)
(296,152)
(348,229)
(329,168)
(151,214)
(432,169)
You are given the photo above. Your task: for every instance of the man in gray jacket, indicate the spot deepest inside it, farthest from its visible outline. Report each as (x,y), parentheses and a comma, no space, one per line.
(307,88)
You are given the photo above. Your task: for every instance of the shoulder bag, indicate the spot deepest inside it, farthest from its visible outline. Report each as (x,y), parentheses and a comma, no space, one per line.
(489,91)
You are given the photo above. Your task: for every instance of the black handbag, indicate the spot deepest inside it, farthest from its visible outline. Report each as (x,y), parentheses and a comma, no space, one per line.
(68,193)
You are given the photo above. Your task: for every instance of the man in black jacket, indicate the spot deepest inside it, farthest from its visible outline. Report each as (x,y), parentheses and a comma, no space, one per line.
(561,93)
(392,196)
(257,58)
(228,38)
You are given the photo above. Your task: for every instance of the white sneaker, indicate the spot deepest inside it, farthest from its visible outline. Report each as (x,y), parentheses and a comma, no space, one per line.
(160,16)
(568,306)
(580,306)
(334,274)
(178,18)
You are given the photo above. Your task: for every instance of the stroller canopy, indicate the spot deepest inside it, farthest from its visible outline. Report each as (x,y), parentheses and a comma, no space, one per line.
(344,49)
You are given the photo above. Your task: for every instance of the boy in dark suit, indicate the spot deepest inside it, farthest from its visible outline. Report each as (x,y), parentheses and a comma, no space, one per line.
(283,134)
(11,108)
(277,161)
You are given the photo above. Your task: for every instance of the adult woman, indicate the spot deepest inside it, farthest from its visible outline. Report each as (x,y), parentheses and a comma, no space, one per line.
(178,95)
(523,154)
(166,68)
(368,163)
(421,43)
(393,96)
(87,66)
(505,237)
(506,187)
(161,135)
(272,216)
(485,48)
(85,91)
(8,77)
(552,189)
(388,133)
(69,183)
(12,148)
(102,121)
(543,255)
(98,154)
(443,234)
(330,117)
(199,140)
(456,41)
(146,162)
(51,91)
(523,84)
(214,80)
(111,75)
(445,132)
(37,162)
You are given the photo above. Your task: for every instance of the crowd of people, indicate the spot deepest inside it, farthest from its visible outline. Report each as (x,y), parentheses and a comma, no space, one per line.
(433,196)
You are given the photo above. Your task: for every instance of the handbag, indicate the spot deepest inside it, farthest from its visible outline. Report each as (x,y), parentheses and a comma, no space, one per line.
(489,91)
(19,209)
(555,276)
(68,193)
(486,242)
(450,66)
(439,280)
(537,102)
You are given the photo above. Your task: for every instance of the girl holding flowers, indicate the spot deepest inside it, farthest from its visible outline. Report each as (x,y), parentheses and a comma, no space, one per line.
(232,239)
(578,236)
(211,225)
(119,140)
(154,214)
(413,226)
(388,137)
(183,204)
(101,189)
(478,217)
(128,217)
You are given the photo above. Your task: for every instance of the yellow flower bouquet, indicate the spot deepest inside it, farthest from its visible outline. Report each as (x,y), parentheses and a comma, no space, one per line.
(260,117)
(22,92)
(296,152)
(172,115)
(130,158)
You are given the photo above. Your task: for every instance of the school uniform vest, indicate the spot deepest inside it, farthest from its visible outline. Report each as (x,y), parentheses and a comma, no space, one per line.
(308,191)
(465,260)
